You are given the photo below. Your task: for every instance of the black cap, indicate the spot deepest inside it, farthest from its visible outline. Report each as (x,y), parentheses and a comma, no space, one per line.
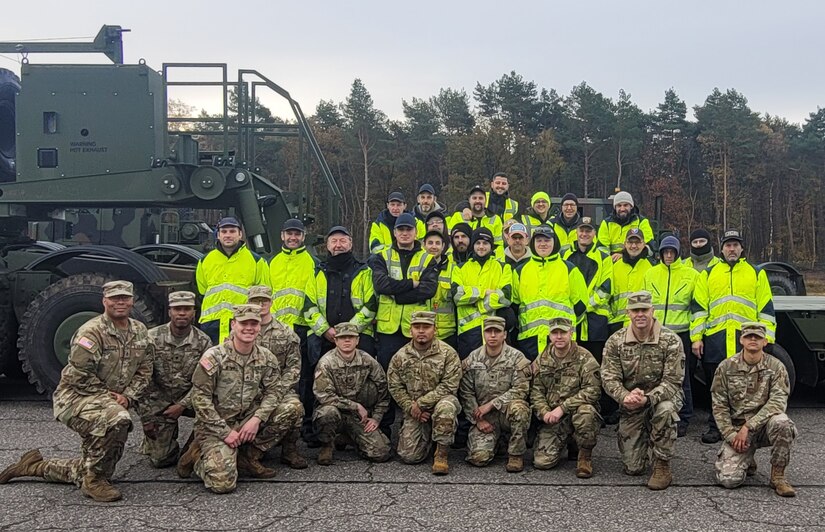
(294,224)
(482,233)
(396,196)
(699,233)
(570,196)
(462,227)
(405,219)
(732,234)
(426,187)
(435,214)
(435,233)
(476,188)
(229,221)
(338,229)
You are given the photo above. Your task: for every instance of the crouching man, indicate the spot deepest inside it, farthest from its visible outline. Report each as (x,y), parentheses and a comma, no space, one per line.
(750,395)
(351,393)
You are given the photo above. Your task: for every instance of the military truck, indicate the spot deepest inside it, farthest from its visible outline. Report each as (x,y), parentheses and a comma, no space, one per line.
(98,182)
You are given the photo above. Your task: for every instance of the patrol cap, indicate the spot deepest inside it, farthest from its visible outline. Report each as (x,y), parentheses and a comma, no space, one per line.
(346,329)
(182,298)
(118,288)
(495,322)
(339,229)
(426,188)
(732,234)
(294,224)
(260,291)
(405,219)
(396,196)
(561,324)
(754,327)
(639,300)
(422,316)
(634,233)
(229,221)
(586,221)
(246,312)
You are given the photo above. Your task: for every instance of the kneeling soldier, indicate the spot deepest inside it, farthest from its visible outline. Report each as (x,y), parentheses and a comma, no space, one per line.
(351,390)
(565,397)
(237,387)
(423,378)
(178,348)
(493,392)
(750,396)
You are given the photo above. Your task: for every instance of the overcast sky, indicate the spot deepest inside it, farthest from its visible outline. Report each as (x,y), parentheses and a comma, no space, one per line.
(771,51)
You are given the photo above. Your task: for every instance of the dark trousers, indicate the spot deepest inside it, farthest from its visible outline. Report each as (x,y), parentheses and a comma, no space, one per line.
(387,345)
(451,340)
(212,329)
(606,403)
(305,381)
(687,409)
(530,347)
(709,369)
(469,341)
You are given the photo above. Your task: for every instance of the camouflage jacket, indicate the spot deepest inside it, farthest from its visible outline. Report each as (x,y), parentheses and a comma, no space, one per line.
(499,379)
(101,360)
(229,388)
(286,346)
(656,366)
(173,366)
(338,382)
(569,382)
(745,394)
(423,377)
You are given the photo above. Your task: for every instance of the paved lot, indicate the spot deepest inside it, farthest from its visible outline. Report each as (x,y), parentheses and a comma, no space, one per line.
(355,495)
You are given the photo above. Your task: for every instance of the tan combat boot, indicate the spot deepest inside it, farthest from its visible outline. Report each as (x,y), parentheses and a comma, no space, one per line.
(661,477)
(515,463)
(325,455)
(249,463)
(186,462)
(779,483)
(584,465)
(290,455)
(31,464)
(440,465)
(99,489)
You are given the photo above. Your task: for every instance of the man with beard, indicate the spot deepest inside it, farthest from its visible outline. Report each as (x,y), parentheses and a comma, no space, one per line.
(546,287)
(628,276)
(538,213)
(701,251)
(224,275)
(381,230)
(498,201)
(427,204)
(460,243)
(728,294)
(566,222)
(442,302)
(477,216)
(613,229)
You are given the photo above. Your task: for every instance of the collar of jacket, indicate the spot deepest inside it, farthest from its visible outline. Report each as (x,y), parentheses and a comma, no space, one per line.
(549,258)
(111,328)
(587,250)
(483,260)
(534,214)
(416,247)
(633,260)
(296,251)
(561,221)
(220,248)
(631,218)
(527,254)
(630,338)
(190,338)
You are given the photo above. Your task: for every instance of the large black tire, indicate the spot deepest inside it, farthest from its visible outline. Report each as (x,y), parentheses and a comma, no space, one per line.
(779,352)
(9,363)
(9,87)
(54,315)
(781,284)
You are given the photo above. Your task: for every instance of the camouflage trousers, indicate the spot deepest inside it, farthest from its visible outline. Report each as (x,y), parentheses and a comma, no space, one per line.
(778,433)
(651,429)
(329,421)
(103,426)
(217,465)
(551,443)
(160,433)
(415,438)
(514,419)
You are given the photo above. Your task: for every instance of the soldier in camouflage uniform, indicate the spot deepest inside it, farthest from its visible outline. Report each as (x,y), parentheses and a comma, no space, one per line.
(351,391)
(642,369)
(236,389)
(109,367)
(423,378)
(178,347)
(565,398)
(493,391)
(750,395)
(285,344)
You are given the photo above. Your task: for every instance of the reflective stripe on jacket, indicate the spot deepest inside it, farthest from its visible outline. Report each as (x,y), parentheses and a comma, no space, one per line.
(672,290)
(470,283)
(289,272)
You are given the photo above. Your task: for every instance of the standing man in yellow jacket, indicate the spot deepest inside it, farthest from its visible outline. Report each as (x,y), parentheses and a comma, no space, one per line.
(381,230)
(478,216)
(498,200)
(538,213)
(223,277)
(613,229)
(567,221)
(628,277)
(727,295)
(671,284)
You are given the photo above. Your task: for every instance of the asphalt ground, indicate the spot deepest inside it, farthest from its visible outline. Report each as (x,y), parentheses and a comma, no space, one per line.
(355,495)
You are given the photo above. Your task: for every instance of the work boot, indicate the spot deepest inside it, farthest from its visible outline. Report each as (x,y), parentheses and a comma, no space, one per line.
(290,455)
(99,489)
(681,430)
(515,463)
(341,442)
(325,456)
(712,436)
(440,465)
(584,465)
(31,464)
(779,483)
(661,477)
(186,462)
(751,468)
(249,463)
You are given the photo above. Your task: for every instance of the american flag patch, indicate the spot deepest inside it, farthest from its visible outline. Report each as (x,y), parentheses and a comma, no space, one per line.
(206,363)
(86,343)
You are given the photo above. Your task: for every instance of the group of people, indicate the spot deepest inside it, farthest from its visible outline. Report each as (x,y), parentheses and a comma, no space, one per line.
(489,328)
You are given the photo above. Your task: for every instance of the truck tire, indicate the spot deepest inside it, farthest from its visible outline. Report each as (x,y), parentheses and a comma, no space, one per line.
(53,317)
(9,87)
(781,284)
(779,352)
(9,363)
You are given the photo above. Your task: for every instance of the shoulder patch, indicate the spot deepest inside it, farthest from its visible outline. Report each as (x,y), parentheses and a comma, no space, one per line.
(209,364)
(85,343)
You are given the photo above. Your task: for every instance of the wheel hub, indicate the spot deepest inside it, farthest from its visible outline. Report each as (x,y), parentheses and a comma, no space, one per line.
(65,331)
